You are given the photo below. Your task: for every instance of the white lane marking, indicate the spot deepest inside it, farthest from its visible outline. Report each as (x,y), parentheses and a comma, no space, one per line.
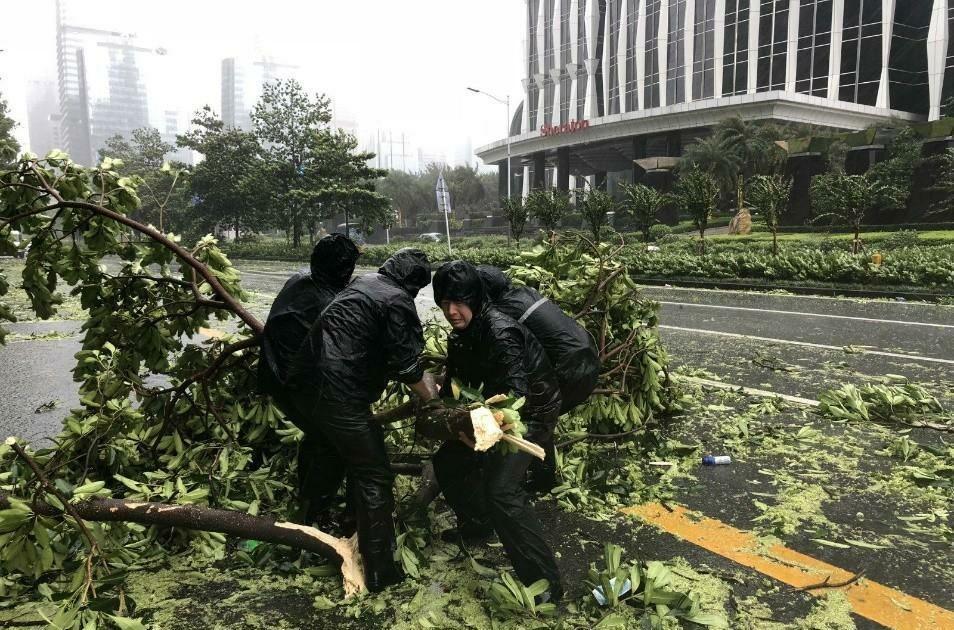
(880,353)
(746,390)
(804,314)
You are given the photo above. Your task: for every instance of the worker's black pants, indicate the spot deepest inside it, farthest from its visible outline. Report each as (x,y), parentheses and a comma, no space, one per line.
(488,489)
(347,441)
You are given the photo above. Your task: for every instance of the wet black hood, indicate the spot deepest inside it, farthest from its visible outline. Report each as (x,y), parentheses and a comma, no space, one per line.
(333,260)
(410,268)
(458,281)
(495,282)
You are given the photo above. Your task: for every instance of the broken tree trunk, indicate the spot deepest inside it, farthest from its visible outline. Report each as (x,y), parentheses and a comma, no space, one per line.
(230,522)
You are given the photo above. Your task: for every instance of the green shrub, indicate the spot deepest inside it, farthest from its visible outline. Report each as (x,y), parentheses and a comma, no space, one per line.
(901,238)
(658,231)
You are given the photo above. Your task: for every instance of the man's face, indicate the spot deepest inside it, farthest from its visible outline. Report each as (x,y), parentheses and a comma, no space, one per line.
(457,314)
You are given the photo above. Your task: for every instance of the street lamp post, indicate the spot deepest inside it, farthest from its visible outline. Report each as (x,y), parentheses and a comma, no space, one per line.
(507,103)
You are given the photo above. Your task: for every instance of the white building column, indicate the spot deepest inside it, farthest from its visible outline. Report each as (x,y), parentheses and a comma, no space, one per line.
(555,74)
(525,124)
(834,52)
(791,51)
(607,55)
(641,55)
(662,43)
(887,30)
(574,66)
(753,64)
(539,81)
(688,46)
(592,20)
(719,48)
(938,38)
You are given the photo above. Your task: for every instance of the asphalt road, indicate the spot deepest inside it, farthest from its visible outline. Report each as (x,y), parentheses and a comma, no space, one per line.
(795,345)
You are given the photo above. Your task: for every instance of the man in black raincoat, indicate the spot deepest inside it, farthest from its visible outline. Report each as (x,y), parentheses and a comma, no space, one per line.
(294,311)
(486,490)
(571,349)
(369,334)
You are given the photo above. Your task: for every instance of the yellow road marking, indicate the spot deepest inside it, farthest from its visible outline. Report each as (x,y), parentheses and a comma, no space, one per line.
(879,603)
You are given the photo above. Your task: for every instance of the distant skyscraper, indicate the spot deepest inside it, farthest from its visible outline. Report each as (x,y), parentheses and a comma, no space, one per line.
(242,83)
(101,85)
(42,116)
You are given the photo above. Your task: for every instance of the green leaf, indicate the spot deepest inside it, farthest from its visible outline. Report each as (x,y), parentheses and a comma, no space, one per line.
(125,623)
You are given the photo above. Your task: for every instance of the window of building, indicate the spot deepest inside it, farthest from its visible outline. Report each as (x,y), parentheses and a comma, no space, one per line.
(566,81)
(907,64)
(549,61)
(773,45)
(614,7)
(947,90)
(676,53)
(533,61)
(735,52)
(860,52)
(814,47)
(581,55)
(632,86)
(703,50)
(600,43)
(651,87)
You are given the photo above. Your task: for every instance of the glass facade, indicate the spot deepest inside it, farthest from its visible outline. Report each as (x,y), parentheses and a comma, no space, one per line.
(651,86)
(566,81)
(549,57)
(948,89)
(735,51)
(533,61)
(773,45)
(814,47)
(860,52)
(614,7)
(631,88)
(703,50)
(676,53)
(907,62)
(582,49)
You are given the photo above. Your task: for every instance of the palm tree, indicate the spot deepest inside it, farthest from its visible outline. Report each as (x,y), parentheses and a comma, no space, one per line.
(717,157)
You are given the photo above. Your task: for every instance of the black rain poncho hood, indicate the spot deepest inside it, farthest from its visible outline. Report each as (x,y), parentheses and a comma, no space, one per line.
(458,281)
(570,348)
(333,260)
(495,282)
(410,268)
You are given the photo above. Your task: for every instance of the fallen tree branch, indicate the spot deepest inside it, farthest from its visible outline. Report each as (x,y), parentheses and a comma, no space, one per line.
(827,583)
(229,522)
(597,437)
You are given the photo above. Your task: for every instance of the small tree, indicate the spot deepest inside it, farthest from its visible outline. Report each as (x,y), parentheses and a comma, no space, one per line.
(643,203)
(697,192)
(595,208)
(769,196)
(943,183)
(548,207)
(516,214)
(848,198)
(9,147)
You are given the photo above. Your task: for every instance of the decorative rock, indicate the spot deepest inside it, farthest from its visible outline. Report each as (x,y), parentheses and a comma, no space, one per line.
(741,223)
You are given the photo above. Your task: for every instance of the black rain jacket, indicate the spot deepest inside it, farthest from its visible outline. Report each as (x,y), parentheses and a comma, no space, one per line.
(571,349)
(494,351)
(368,335)
(298,305)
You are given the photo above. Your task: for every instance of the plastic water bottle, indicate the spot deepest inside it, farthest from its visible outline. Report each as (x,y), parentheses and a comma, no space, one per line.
(716,460)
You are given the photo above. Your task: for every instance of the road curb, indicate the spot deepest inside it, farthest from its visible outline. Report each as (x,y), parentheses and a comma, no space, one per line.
(833,291)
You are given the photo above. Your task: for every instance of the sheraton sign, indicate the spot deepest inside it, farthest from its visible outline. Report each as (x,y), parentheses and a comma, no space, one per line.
(570,127)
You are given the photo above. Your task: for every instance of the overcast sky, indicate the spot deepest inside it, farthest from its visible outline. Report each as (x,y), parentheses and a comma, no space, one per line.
(402,65)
